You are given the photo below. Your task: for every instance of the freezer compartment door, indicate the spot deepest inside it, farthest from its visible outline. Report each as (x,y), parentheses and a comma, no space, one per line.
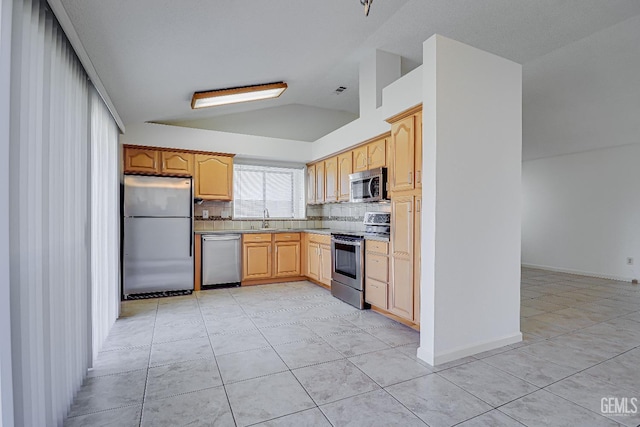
(158,255)
(156,196)
(221,259)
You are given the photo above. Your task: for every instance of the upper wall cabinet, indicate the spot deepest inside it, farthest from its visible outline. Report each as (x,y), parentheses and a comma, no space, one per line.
(141,160)
(406,151)
(370,156)
(311,184)
(331,179)
(320,174)
(175,162)
(213,177)
(345,168)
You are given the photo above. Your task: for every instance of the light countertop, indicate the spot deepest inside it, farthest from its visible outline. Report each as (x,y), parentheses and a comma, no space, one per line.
(325,231)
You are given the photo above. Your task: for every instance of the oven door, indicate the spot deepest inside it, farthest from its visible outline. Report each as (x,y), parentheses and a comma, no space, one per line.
(346,262)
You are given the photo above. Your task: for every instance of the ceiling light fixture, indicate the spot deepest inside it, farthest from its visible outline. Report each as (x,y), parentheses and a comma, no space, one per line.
(367,6)
(234,95)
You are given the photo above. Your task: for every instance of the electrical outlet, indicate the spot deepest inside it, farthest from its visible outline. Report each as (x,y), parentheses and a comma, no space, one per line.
(205,214)
(629,261)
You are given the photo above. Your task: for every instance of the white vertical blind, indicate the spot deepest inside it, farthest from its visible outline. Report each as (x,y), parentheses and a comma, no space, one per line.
(105,277)
(49,218)
(6,384)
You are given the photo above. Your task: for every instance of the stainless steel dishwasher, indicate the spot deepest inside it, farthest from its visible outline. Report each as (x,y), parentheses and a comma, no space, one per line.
(221,260)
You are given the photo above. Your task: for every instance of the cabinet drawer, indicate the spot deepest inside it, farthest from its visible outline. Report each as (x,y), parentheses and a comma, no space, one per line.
(375,293)
(286,237)
(377,267)
(376,246)
(324,239)
(250,237)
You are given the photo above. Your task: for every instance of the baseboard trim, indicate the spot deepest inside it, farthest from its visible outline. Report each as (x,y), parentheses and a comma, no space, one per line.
(460,352)
(577,272)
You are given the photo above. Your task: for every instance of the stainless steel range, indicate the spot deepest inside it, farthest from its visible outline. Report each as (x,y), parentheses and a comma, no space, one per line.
(347,258)
(347,268)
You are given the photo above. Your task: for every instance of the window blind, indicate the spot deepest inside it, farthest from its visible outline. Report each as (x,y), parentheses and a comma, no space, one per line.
(58,217)
(280,190)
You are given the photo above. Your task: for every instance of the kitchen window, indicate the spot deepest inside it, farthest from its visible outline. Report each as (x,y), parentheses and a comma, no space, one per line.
(280,190)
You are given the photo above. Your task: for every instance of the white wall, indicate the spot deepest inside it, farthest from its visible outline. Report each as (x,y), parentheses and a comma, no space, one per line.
(582,212)
(157,135)
(472,201)
(6,388)
(400,95)
(585,95)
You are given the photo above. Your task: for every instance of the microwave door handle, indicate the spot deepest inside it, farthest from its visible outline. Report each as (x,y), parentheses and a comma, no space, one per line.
(371,189)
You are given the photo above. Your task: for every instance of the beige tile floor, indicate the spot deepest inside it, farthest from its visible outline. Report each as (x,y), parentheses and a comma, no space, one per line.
(292,355)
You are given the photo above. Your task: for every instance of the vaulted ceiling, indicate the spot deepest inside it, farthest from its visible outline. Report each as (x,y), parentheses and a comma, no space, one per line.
(151,55)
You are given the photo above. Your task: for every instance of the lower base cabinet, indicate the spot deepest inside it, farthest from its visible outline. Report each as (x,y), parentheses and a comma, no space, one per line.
(376,283)
(318,260)
(266,256)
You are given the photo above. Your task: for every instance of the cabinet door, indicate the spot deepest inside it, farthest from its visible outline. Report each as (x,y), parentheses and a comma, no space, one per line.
(331,179)
(141,160)
(377,151)
(418,149)
(214,176)
(325,265)
(416,259)
(256,261)
(173,162)
(345,168)
(287,259)
(401,286)
(375,293)
(311,184)
(320,182)
(313,261)
(360,159)
(402,154)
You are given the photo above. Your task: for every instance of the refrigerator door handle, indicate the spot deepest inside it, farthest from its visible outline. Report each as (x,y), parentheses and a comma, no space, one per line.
(191,240)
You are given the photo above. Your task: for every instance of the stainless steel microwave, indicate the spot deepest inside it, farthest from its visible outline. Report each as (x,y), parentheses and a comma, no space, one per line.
(368,186)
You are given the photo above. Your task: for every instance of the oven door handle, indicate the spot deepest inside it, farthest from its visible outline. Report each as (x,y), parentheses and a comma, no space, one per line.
(348,243)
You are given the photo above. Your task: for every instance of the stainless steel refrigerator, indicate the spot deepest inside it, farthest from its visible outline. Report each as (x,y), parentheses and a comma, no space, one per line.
(158,234)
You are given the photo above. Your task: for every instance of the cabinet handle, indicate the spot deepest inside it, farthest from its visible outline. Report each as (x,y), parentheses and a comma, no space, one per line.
(418,205)
(409,210)
(418,177)
(410,177)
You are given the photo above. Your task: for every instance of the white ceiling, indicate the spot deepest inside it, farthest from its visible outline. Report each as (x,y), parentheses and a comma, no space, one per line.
(151,55)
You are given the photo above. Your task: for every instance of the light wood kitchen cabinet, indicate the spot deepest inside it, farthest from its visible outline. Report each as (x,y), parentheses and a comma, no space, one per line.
(377,273)
(267,256)
(405,168)
(311,184)
(377,151)
(401,289)
(370,156)
(318,262)
(286,260)
(345,168)
(331,179)
(417,265)
(141,160)
(402,155)
(213,177)
(418,149)
(360,159)
(320,174)
(176,163)
(313,261)
(256,260)
(325,264)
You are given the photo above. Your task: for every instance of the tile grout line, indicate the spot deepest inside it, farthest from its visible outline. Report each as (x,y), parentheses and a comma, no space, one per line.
(233,417)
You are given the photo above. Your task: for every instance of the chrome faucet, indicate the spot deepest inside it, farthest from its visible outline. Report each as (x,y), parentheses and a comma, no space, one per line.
(265,215)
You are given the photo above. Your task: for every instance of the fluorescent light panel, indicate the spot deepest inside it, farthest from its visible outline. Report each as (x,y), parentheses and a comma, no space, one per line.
(236,95)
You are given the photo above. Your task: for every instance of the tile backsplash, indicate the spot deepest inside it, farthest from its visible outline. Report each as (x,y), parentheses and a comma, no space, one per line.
(339,216)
